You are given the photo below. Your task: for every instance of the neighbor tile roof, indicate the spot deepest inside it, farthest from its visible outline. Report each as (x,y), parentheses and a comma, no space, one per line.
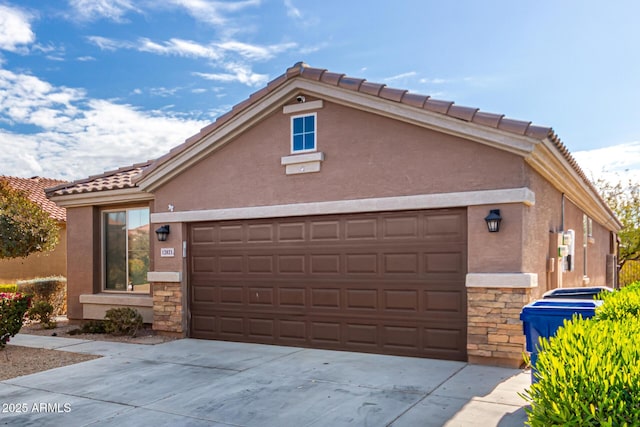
(128,176)
(35,190)
(112,180)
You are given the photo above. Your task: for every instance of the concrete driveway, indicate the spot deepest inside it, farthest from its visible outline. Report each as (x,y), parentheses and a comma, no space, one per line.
(213,383)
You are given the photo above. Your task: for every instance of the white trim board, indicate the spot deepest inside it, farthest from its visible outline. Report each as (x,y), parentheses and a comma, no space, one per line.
(502,280)
(422,201)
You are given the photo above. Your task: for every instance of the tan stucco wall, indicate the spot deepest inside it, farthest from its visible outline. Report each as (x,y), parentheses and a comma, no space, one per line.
(44,264)
(365,156)
(83,262)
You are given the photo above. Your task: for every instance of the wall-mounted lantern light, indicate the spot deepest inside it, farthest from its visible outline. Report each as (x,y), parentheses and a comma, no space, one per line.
(493,220)
(162,233)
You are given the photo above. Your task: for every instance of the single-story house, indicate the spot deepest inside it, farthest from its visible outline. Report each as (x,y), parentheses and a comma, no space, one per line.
(41,264)
(331,212)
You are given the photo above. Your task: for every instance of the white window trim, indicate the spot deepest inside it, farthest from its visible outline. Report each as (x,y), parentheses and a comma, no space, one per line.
(103,252)
(315,133)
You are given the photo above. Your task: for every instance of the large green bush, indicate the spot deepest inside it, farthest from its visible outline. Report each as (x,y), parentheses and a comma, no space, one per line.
(588,375)
(589,372)
(48,289)
(12,310)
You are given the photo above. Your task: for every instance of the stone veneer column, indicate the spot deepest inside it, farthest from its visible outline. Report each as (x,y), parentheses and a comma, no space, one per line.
(494,330)
(168,303)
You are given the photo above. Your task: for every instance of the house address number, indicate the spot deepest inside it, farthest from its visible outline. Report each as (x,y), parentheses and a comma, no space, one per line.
(167,252)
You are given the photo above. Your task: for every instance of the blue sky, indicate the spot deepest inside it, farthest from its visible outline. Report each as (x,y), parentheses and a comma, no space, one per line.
(90,85)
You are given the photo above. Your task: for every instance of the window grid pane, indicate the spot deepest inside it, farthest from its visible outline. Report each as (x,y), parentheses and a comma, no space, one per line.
(303,133)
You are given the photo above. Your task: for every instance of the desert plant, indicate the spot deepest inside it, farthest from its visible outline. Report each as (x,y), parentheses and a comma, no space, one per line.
(90,327)
(50,289)
(13,308)
(42,312)
(123,321)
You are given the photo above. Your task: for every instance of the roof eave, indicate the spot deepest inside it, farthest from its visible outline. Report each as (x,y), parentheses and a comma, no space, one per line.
(101,198)
(549,162)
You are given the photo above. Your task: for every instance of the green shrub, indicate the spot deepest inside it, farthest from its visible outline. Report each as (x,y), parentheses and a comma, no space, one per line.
(50,289)
(90,327)
(9,288)
(13,308)
(620,304)
(42,312)
(123,321)
(588,375)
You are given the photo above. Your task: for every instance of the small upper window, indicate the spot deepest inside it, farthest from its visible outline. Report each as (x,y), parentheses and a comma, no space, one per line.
(303,133)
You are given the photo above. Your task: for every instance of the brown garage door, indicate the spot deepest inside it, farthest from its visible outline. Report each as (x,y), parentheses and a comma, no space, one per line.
(389,283)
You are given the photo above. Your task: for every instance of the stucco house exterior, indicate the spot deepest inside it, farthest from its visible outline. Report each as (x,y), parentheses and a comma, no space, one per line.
(331,212)
(42,264)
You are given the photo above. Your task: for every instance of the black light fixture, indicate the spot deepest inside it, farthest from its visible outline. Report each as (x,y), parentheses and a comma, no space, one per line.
(493,220)
(162,233)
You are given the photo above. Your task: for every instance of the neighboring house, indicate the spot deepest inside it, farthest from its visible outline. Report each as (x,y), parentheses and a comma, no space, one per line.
(41,264)
(331,212)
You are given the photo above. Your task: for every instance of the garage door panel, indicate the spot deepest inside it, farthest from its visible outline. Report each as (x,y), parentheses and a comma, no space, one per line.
(291,264)
(361,263)
(292,297)
(401,227)
(291,232)
(361,229)
(362,300)
(324,230)
(443,301)
(325,333)
(203,234)
(443,339)
(323,299)
(260,233)
(260,264)
(377,282)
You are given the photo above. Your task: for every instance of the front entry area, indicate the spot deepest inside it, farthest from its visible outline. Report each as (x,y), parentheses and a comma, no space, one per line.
(384,282)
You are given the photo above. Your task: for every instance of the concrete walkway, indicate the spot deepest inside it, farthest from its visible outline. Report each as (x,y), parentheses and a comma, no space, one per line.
(213,383)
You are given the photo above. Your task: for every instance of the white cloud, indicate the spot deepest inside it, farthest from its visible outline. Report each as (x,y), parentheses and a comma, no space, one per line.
(236,73)
(109,44)
(192,49)
(178,47)
(78,136)
(15,29)
(91,10)
(212,12)
(231,55)
(85,58)
(615,163)
(402,76)
(435,81)
(255,52)
(292,11)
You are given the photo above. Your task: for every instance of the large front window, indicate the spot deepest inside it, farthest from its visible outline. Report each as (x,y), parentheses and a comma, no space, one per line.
(126,250)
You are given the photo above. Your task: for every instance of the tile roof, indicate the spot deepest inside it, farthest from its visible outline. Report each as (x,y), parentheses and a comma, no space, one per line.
(118,179)
(128,177)
(35,190)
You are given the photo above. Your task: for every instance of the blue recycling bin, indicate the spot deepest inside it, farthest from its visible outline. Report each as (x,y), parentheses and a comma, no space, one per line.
(588,293)
(542,318)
